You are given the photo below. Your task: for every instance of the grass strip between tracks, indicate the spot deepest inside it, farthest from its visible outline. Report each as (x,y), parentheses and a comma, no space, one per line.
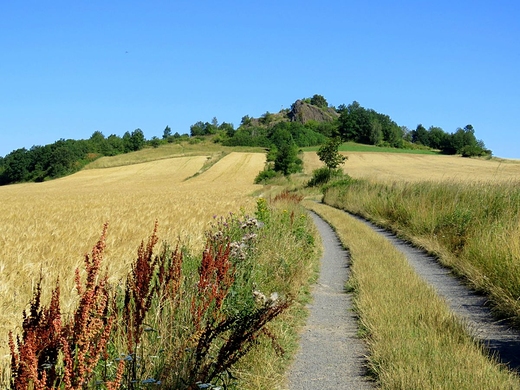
(414,341)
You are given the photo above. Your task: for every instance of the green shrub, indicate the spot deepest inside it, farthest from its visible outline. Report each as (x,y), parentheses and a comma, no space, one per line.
(324,175)
(265,175)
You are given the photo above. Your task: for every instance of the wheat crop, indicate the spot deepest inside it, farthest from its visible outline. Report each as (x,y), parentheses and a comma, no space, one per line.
(48,227)
(417,167)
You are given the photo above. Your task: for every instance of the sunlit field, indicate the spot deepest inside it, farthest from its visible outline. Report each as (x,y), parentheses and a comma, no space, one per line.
(48,227)
(416,167)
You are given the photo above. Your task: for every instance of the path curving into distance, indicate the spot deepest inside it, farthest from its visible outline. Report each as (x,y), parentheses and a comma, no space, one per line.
(498,336)
(331,355)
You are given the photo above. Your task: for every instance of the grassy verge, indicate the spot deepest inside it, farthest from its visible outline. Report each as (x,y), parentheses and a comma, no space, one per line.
(472,227)
(227,318)
(354,147)
(414,340)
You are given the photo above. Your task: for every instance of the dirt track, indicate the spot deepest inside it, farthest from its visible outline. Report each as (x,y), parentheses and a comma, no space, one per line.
(496,335)
(331,354)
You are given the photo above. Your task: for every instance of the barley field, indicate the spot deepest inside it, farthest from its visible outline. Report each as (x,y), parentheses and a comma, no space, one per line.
(417,167)
(49,227)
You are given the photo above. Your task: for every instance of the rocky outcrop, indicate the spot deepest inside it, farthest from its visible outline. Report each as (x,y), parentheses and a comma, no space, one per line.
(303,112)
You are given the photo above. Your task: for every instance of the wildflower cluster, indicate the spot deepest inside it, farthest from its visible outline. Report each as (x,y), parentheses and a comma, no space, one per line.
(240,233)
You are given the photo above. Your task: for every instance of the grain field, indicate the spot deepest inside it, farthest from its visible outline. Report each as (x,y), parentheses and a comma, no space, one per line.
(48,227)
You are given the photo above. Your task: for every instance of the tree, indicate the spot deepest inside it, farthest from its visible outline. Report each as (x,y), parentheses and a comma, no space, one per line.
(137,139)
(330,155)
(155,142)
(420,136)
(375,136)
(436,137)
(197,129)
(319,101)
(167,132)
(246,120)
(16,165)
(266,118)
(354,124)
(286,159)
(227,128)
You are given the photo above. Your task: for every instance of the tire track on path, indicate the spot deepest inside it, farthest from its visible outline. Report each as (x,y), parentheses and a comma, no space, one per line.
(497,336)
(331,355)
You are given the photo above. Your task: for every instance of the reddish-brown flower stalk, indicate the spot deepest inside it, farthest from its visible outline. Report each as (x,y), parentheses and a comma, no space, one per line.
(116,383)
(216,275)
(85,338)
(169,274)
(34,357)
(140,290)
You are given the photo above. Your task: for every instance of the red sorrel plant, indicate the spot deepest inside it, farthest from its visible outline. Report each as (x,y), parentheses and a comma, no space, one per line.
(75,346)
(288,197)
(216,275)
(34,357)
(150,278)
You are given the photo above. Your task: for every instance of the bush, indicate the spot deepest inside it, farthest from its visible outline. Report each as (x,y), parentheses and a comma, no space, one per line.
(323,175)
(265,175)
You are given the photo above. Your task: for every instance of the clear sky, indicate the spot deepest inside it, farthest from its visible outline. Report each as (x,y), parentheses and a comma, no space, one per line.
(69,68)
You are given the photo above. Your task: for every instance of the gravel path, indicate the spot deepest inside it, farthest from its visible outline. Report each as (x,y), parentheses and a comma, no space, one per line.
(331,355)
(498,336)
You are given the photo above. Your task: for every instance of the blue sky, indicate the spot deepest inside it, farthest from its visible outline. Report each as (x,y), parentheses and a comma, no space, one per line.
(69,68)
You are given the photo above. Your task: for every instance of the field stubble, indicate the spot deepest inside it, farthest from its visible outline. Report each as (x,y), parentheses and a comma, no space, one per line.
(48,227)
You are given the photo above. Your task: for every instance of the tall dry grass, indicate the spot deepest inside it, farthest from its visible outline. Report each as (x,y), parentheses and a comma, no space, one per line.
(48,227)
(415,341)
(472,227)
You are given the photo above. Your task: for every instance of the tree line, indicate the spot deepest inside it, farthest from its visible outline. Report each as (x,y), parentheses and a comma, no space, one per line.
(64,157)
(280,133)
(353,123)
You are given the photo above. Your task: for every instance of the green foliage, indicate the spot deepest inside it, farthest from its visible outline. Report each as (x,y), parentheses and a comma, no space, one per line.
(330,155)
(167,132)
(264,176)
(319,101)
(325,176)
(368,126)
(462,141)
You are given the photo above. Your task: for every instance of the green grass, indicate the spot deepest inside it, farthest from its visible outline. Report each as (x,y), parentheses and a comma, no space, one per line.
(354,147)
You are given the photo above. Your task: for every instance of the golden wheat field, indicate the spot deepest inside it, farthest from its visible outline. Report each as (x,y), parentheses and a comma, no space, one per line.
(419,167)
(49,227)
